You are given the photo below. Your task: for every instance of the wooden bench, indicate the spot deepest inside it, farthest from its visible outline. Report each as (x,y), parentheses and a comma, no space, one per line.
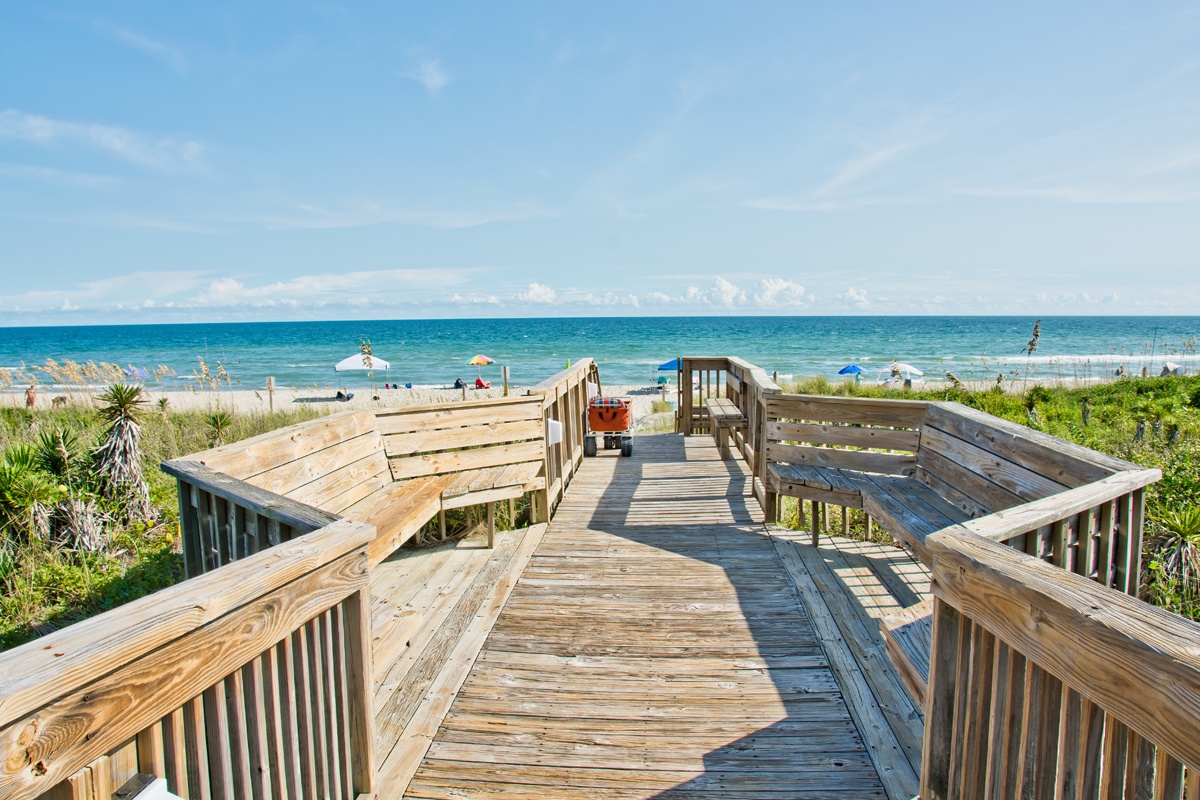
(917,468)
(723,416)
(400,468)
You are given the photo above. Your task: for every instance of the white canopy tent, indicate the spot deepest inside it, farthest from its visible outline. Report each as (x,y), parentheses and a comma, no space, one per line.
(359,362)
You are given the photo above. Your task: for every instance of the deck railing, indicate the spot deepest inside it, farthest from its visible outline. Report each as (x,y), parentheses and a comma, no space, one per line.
(1044,684)
(223,519)
(743,383)
(253,680)
(564,400)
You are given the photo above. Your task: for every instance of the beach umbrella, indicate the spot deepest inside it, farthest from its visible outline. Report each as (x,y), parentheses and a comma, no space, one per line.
(672,366)
(907,369)
(359,361)
(481,361)
(850,369)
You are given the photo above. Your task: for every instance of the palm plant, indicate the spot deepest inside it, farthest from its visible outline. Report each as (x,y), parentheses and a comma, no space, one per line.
(25,494)
(1179,549)
(219,422)
(118,460)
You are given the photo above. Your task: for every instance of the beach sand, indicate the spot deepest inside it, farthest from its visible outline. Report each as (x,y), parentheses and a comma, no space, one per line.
(246,401)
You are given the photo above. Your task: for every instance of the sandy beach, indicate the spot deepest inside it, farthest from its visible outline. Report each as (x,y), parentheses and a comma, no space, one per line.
(247,401)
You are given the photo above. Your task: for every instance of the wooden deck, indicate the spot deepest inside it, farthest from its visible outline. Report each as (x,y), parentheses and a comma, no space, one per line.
(660,642)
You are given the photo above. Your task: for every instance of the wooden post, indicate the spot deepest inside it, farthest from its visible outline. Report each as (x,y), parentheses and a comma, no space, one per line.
(491,523)
(356,615)
(504,377)
(868,525)
(816,523)
(271,393)
(512,513)
(845,522)
(442,524)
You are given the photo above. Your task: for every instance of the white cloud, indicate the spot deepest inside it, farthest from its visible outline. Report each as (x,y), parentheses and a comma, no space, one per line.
(158,153)
(170,56)
(611,299)
(430,75)
(377,286)
(658,297)
(779,292)
(856,296)
(1110,299)
(537,293)
(726,293)
(66,306)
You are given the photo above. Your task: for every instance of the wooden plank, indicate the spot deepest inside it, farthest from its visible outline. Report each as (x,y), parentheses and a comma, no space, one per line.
(260,501)
(909,636)
(482,497)
(283,479)
(416,466)
(398,513)
(1039,513)
(859,460)
(1136,662)
(982,492)
(1023,482)
(863,411)
(894,769)
(249,457)
(333,490)
(75,729)
(41,671)
(483,411)
(845,435)
(489,432)
(1057,459)
(492,590)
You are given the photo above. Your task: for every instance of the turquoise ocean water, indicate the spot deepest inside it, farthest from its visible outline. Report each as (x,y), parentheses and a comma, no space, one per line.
(434,352)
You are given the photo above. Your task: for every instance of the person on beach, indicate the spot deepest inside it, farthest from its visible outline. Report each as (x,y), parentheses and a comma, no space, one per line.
(30,396)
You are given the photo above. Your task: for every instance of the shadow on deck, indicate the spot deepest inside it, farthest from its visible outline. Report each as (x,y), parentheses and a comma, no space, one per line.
(660,642)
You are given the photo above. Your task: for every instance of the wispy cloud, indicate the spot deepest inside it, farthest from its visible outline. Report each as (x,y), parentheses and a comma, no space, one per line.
(161,153)
(170,56)
(861,167)
(57,176)
(1087,195)
(383,286)
(430,74)
(310,217)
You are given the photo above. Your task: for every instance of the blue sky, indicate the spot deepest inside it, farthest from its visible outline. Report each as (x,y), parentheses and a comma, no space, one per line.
(271,160)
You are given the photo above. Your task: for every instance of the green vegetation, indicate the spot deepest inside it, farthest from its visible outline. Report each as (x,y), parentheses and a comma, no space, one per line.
(87,520)
(1154,422)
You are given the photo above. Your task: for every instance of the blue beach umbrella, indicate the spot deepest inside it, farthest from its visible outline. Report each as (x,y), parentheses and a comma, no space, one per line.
(673,366)
(850,369)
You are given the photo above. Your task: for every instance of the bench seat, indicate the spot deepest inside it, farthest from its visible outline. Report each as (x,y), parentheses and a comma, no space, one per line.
(908,635)
(906,507)
(398,511)
(723,416)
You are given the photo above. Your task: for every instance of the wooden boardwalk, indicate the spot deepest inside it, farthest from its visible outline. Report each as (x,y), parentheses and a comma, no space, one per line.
(658,644)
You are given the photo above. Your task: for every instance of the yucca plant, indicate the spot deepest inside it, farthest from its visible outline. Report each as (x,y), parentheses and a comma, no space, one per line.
(25,495)
(118,460)
(1176,561)
(219,422)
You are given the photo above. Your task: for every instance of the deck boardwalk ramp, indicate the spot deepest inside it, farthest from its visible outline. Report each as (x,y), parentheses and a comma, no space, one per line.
(653,647)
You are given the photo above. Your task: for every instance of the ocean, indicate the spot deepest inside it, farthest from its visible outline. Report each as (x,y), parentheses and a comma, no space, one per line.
(628,350)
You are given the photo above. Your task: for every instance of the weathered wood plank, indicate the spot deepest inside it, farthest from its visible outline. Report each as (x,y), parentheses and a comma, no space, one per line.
(406,467)
(831,458)
(1095,652)
(483,433)
(845,435)
(41,671)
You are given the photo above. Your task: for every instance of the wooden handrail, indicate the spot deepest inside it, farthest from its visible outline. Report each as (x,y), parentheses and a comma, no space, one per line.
(74,696)
(267,504)
(1007,523)
(1039,676)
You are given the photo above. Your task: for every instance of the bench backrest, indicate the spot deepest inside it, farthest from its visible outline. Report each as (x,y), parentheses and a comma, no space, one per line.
(853,433)
(984,464)
(329,463)
(460,437)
